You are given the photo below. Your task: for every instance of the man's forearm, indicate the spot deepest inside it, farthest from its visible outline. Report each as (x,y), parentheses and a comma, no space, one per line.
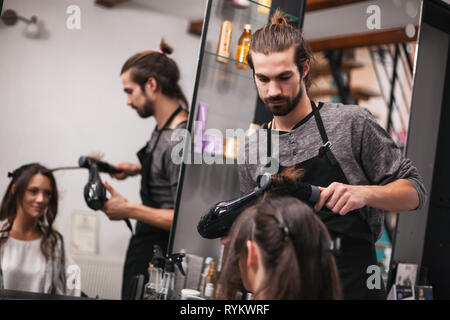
(396,196)
(161,218)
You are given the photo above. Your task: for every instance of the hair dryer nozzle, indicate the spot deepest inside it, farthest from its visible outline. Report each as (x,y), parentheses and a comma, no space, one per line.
(219,219)
(86,162)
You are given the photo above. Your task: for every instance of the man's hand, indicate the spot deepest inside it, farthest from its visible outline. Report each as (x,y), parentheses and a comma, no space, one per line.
(128,169)
(342,198)
(116,207)
(225,239)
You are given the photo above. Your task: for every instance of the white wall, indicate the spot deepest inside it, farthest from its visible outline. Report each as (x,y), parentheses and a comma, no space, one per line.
(61,95)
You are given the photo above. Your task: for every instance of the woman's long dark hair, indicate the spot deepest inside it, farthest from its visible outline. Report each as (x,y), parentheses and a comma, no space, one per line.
(292,239)
(11,201)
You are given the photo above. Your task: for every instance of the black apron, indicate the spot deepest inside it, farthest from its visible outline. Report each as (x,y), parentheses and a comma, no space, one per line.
(140,248)
(357,246)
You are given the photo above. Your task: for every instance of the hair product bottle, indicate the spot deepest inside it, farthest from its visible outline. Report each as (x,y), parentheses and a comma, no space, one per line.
(168,284)
(224,46)
(210,281)
(243,47)
(264,10)
(154,284)
(204,274)
(219,270)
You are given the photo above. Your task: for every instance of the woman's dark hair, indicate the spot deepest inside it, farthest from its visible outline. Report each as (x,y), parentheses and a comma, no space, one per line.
(11,200)
(279,36)
(156,64)
(293,243)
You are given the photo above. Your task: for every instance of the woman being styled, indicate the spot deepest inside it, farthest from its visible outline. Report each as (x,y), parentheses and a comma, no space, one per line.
(279,250)
(32,254)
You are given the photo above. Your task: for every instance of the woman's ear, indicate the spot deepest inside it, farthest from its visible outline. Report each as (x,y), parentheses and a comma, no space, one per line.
(252,254)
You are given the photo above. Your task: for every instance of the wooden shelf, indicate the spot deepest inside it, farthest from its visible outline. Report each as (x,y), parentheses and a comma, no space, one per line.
(375,38)
(323,69)
(357,93)
(314,5)
(109,3)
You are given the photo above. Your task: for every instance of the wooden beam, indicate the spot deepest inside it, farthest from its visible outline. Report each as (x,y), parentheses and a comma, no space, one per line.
(324,68)
(109,3)
(397,35)
(195,27)
(357,93)
(313,5)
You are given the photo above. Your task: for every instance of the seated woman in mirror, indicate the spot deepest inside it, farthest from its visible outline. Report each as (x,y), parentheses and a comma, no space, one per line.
(32,254)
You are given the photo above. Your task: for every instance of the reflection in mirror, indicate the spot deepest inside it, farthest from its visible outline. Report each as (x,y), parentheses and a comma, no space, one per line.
(365,56)
(64,98)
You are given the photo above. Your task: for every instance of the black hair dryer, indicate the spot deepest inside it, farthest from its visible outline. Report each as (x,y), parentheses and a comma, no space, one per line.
(94,190)
(218,220)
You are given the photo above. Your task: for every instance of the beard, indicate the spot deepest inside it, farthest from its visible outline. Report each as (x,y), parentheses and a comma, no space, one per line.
(283,109)
(146,110)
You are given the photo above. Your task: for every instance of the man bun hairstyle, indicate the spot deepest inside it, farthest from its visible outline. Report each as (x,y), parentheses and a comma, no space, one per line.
(279,36)
(158,65)
(165,47)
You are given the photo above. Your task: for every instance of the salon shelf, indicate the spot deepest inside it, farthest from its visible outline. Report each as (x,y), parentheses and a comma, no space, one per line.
(227,68)
(250,15)
(256,18)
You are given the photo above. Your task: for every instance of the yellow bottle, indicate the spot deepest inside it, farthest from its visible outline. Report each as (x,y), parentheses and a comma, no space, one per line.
(264,10)
(211,277)
(243,47)
(224,46)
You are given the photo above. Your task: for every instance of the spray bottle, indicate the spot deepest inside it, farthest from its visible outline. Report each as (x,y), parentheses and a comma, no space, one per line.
(168,291)
(153,287)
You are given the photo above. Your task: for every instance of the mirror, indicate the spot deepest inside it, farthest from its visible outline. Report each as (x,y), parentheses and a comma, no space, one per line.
(368,60)
(62,98)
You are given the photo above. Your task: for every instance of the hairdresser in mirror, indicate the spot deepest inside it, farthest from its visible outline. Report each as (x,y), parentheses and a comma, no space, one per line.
(279,250)
(360,170)
(150,81)
(32,253)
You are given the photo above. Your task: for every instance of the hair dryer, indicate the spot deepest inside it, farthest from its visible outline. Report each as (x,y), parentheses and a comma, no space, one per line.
(217,222)
(94,190)
(219,219)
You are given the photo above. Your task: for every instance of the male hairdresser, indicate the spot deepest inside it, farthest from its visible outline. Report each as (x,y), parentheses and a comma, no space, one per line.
(359,168)
(150,80)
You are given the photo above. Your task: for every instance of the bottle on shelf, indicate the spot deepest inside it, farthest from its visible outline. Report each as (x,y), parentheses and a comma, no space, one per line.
(168,285)
(240,4)
(180,279)
(262,9)
(209,291)
(204,274)
(224,46)
(219,269)
(243,47)
(210,280)
(154,283)
(152,289)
